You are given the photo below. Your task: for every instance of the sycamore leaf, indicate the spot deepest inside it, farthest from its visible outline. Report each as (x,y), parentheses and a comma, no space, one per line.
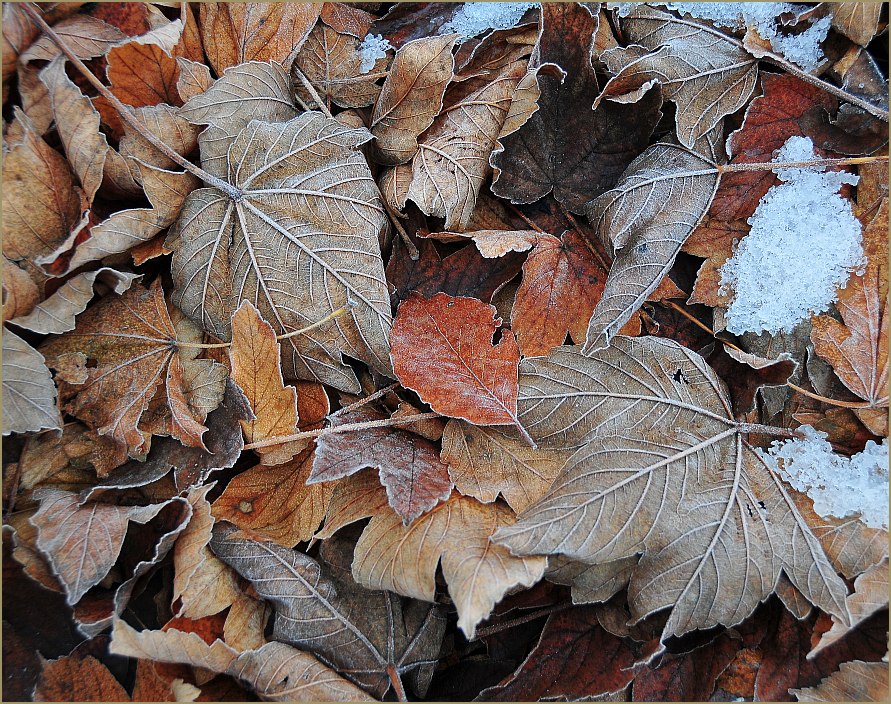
(706,74)
(403,559)
(408,465)
(73,678)
(855,681)
(276,503)
(457,369)
(661,469)
(255,361)
(411,97)
(135,359)
(235,33)
(331,61)
(646,218)
(29,395)
(301,243)
(358,632)
(565,146)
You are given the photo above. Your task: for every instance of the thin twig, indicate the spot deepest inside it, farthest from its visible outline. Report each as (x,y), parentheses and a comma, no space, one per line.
(125,113)
(368,399)
(413,252)
(312,91)
(769,430)
(770,165)
(520,620)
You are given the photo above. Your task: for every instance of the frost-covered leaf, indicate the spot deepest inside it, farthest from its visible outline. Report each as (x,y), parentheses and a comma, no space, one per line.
(29,395)
(78,678)
(855,681)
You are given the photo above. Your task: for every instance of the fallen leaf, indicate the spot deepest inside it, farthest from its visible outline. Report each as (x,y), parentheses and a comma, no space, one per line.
(591,584)
(411,97)
(135,359)
(347,18)
(26,553)
(255,361)
(18,33)
(456,533)
(645,219)
(855,681)
(628,488)
(71,678)
(713,240)
(358,496)
(246,623)
(47,454)
(166,124)
(276,503)
(87,37)
(29,395)
(360,633)
(311,215)
(858,21)
(144,71)
(746,374)
(459,373)
(20,292)
(194,78)
(491,243)
(565,146)
(234,34)
(408,465)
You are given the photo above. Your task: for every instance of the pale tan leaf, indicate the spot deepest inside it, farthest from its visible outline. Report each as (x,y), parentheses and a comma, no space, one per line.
(20,292)
(331,61)
(492,243)
(858,21)
(591,583)
(255,361)
(164,122)
(25,552)
(29,395)
(645,219)
(661,469)
(395,182)
(855,681)
(456,533)
(170,646)
(301,243)
(18,33)
(411,97)
(202,583)
(356,497)
(87,37)
(246,622)
(35,101)
(486,462)
(194,78)
(58,312)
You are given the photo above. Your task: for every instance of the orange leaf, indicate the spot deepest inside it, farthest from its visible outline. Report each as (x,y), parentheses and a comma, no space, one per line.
(73,679)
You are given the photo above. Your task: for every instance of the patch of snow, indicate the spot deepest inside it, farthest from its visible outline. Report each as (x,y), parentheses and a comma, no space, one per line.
(477,17)
(802,48)
(803,245)
(839,486)
(373,47)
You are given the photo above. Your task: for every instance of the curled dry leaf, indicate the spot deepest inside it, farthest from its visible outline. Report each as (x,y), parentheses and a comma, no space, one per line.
(18,33)
(645,219)
(565,146)
(855,681)
(194,78)
(20,292)
(358,496)
(685,490)
(29,395)
(456,533)
(363,634)
(135,360)
(491,243)
(411,97)
(458,371)
(246,623)
(408,465)
(301,243)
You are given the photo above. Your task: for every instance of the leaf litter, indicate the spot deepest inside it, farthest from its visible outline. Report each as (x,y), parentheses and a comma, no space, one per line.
(406,350)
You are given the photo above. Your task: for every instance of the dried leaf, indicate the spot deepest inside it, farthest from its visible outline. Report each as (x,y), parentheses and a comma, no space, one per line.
(73,678)
(171,645)
(686,677)
(194,78)
(164,122)
(144,72)
(458,371)
(491,243)
(87,37)
(20,292)
(591,583)
(276,503)
(135,359)
(647,217)
(641,485)
(29,395)
(356,497)
(301,243)
(855,681)
(408,465)
(456,533)
(565,146)
(246,623)
(48,454)
(411,97)
(18,33)
(234,34)
(358,632)
(347,18)
(858,21)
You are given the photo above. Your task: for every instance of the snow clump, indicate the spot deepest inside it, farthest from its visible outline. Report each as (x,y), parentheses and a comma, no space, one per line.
(803,245)
(839,486)
(477,17)
(373,47)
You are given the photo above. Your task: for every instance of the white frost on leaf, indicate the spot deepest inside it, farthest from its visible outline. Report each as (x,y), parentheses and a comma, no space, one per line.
(839,486)
(477,17)
(373,47)
(803,245)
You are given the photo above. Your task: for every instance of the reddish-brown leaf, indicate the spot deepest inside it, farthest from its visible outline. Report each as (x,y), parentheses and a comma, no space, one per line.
(74,679)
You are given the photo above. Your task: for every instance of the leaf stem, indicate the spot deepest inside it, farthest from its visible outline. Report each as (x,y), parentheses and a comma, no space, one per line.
(312,91)
(520,620)
(769,430)
(396,681)
(349,427)
(368,399)
(770,165)
(125,113)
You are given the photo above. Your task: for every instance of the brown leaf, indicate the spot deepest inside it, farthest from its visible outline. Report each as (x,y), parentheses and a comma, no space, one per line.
(194,78)
(246,623)
(565,146)
(18,33)
(346,18)
(629,488)
(72,678)
(29,395)
(574,658)
(47,454)
(858,21)
(234,34)
(135,359)
(411,97)
(458,371)
(171,645)
(358,496)
(255,360)
(591,583)
(408,465)
(491,243)
(143,73)
(82,542)
(20,292)
(203,585)
(331,61)
(87,37)
(855,681)
(712,239)
(358,632)
(746,374)
(26,553)
(486,462)
(456,533)
(275,503)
